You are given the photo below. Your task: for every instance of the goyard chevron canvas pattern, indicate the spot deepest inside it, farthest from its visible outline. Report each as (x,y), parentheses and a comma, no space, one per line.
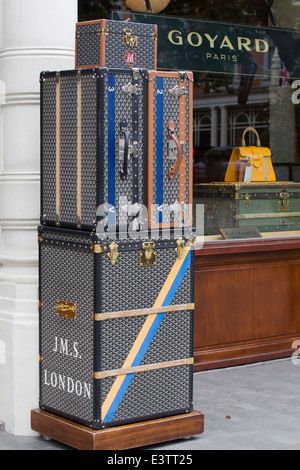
(115,44)
(116,327)
(93,147)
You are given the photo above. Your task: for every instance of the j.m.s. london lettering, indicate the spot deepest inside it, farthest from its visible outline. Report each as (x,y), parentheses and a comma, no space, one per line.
(63,381)
(67,384)
(63,346)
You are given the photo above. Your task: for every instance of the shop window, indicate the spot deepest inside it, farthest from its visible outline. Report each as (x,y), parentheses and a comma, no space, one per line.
(246,83)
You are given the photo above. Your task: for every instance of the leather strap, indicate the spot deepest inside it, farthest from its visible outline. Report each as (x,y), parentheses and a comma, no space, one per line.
(141,312)
(143,368)
(148,6)
(265,168)
(250,129)
(270,13)
(173,170)
(268,10)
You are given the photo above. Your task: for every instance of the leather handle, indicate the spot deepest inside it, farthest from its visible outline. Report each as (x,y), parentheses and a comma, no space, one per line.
(250,129)
(123,171)
(173,170)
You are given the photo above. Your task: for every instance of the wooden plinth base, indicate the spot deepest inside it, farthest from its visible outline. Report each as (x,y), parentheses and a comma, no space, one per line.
(124,437)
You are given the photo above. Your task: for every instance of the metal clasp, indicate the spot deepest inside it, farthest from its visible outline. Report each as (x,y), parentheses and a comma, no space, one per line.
(284,203)
(239,196)
(103,32)
(180,248)
(247,200)
(177,91)
(98,248)
(132,150)
(131,89)
(113,255)
(172,151)
(148,256)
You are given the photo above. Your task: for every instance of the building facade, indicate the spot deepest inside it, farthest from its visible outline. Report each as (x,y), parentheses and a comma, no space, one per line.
(35,35)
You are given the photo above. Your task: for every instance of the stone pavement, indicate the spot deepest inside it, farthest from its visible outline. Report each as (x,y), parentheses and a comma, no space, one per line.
(252,407)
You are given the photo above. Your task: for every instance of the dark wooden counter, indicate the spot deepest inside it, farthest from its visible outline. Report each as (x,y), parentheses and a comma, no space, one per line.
(247,299)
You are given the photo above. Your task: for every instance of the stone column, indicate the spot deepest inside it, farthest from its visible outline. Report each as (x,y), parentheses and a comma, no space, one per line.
(35,35)
(214,127)
(224,126)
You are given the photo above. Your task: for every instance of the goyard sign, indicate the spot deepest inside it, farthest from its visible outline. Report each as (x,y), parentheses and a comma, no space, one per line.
(216,47)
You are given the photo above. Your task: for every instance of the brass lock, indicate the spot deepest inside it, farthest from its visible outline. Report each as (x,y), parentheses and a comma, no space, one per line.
(66,309)
(284,203)
(148,256)
(180,248)
(113,254)
(245,197)
(128,39)
(247,200)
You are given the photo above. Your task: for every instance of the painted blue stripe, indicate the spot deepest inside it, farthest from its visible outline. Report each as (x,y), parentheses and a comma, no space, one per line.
(159,148)
(138,359)
(177,281)
(111,157)
(115,404)
(146,343)
(127,380)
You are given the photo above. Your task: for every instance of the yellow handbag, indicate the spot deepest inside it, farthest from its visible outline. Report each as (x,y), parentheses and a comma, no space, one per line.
(250,164)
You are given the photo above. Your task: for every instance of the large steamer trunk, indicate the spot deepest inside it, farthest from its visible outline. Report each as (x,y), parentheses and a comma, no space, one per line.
(116,327)
(93,147)
(271,207)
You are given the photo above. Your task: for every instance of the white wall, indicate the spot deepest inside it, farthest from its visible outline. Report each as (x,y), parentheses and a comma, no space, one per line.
(35,35)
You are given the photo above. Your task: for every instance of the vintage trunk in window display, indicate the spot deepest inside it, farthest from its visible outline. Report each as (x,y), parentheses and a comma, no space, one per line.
(93,146)
(116,44)
(170,128)
(116,326)
(270,207)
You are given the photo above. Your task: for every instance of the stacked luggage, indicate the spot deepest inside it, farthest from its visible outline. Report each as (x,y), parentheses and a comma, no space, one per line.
(116,241)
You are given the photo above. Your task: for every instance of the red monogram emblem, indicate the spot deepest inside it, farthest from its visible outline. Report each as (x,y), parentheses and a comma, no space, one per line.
(130,58)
